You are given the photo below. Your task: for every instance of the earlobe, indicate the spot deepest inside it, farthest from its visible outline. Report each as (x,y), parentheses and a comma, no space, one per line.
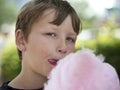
(20,41)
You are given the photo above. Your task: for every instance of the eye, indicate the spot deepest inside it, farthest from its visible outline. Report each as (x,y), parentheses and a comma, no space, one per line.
(71,39)
(51,34)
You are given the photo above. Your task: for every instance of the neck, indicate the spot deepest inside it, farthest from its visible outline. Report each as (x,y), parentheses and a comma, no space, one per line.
(28,80)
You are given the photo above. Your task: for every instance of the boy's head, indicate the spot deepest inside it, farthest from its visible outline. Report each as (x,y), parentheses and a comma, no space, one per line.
(32,11)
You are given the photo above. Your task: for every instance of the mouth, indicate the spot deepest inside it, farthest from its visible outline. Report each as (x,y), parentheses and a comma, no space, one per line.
(53,61)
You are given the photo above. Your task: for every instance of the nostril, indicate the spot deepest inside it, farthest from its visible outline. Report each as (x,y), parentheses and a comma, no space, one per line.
(62,51)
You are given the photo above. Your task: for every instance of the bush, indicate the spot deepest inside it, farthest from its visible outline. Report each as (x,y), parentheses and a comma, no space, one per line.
(111,51)
(109,47)
(10,63)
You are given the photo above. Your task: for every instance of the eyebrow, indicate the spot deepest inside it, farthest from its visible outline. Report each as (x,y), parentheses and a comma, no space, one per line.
(72,33)
(55,27)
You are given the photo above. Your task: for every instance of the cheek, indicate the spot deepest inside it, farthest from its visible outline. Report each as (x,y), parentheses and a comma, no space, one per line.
(71,48)
(42,49)
(39,56)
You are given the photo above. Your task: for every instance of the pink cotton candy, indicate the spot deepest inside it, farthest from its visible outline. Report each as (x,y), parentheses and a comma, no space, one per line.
(83,70)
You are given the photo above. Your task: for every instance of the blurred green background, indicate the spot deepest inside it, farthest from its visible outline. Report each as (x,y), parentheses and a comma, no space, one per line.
(101,32)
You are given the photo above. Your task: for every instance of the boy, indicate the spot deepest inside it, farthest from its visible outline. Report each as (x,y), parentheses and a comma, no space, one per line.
(45,32)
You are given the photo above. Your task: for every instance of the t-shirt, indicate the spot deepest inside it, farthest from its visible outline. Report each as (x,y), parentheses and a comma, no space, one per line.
(6,87)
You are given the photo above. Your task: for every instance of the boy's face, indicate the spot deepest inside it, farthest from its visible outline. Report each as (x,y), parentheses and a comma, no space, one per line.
(48,43)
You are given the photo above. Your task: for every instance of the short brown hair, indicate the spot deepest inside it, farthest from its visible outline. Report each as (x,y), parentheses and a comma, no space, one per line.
(34,9)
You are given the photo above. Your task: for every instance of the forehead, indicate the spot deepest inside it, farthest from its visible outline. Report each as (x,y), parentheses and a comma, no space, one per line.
(47,19)
(50,16)
(50,13)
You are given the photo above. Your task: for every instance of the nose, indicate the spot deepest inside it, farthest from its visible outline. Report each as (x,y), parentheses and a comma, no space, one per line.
(62,51)
(62,47)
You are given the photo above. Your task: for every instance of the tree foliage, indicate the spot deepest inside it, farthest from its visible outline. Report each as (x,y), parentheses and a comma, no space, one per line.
(10,63)
(7,11)
(83,9)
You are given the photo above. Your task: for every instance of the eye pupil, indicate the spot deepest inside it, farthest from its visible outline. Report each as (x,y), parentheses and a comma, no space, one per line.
(51,34)
(70,39)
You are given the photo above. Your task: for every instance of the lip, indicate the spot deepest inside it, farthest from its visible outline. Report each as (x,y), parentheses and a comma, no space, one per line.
(53,61)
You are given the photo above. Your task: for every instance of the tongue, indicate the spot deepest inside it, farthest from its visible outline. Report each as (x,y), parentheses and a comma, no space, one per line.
(53,61)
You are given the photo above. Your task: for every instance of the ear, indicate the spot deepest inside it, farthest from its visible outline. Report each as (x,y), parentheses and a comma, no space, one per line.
(20,40)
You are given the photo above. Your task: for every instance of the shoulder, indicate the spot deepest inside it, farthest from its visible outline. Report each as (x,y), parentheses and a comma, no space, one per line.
(5,86)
